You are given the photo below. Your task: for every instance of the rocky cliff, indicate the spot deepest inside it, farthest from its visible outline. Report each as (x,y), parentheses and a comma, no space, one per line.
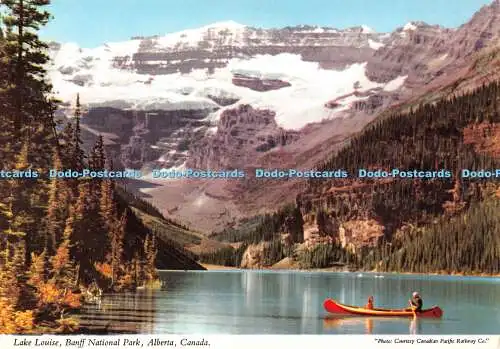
(242,134)
(425,52)
(137,137)
(414,49)
(215,45)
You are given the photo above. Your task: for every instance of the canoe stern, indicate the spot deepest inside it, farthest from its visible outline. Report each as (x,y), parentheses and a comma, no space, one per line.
(434,312)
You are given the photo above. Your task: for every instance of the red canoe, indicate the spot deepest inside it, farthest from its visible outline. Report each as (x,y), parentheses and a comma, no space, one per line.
(336,308)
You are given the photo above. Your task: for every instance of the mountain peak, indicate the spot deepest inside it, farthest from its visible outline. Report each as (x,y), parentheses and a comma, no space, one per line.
(230,24)
(409,26)
(486,19)
(491,8)
(414,25)
(367,30)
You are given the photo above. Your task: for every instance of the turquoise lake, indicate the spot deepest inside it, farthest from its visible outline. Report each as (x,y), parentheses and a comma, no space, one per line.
(264,302)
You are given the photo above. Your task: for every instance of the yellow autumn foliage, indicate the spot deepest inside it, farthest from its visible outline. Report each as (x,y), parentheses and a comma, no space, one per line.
(61,258)
(24,320)
(50,294)
(105,269)
(72,300)
(67,325)
(13,322)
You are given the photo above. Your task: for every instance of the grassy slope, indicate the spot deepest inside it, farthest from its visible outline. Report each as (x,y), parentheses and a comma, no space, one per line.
(172,238)
(180,235)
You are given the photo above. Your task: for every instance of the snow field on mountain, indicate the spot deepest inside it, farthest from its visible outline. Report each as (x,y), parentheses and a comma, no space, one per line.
(374,44)
(295,106)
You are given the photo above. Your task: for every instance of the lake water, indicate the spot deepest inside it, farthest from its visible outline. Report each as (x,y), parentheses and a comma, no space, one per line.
(257,302)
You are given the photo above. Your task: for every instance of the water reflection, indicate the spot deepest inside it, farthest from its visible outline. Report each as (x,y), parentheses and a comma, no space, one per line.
(256,302)
(365,324)
(369,325)
(286,284)
(339,322)
(414,325)
(306,309)
(128,312)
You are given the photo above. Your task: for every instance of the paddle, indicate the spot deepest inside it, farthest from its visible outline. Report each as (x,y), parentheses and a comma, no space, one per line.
(413,309)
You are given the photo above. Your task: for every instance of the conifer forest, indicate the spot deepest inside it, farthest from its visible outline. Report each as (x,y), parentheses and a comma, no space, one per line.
(61,239)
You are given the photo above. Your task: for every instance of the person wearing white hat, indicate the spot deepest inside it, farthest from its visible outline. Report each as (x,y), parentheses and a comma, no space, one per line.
(416,302)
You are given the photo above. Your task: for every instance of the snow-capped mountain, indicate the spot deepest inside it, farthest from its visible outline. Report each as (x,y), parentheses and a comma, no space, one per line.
(228,95)
(188,69)
(193,76)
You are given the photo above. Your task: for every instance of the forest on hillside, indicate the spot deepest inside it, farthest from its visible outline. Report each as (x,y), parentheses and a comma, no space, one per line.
(430,225)
(60,238)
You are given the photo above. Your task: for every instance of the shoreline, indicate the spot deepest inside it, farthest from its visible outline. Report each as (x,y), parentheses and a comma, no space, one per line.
(213,267)
(209,267)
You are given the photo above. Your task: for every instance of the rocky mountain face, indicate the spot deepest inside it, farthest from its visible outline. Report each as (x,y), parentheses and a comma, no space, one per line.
(159,130)
(480,32)
(437,70)
(413,50)
(426,52)
(136,137)
(232,96)
(242,134)
(257,84)
(216,45)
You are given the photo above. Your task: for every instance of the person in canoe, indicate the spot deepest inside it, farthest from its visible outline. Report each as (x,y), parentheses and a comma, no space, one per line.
(369,304)
(416,302)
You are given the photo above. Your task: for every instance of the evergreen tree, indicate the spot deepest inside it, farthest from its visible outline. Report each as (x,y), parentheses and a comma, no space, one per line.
(97,159)
(97,162)
(150,251)
(117,236)
(30,109)
(13,286)
(54,234)
(59,201)
(11,273)
(79,222)
(66,144)
(107,203)
(63,271)
(38,270)
(6,119)
(77,153)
